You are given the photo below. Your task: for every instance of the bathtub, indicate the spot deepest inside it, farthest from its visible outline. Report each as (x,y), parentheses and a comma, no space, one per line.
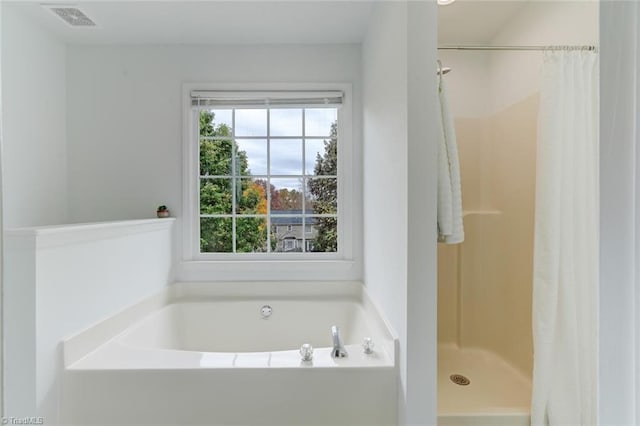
(228,354)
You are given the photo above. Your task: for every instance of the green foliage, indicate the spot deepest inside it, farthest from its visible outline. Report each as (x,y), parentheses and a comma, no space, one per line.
(251,234)
(216,194)
(324,193)
(327,238)
(215,235)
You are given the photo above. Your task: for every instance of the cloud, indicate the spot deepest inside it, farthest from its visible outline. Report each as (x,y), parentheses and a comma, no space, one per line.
(286,154)
(256,150)
(251,122)
(318,121)
(312,148)
(222,117)
(285,122)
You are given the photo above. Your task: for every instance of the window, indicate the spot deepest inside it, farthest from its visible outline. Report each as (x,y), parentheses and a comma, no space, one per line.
(289,244)
(267,169)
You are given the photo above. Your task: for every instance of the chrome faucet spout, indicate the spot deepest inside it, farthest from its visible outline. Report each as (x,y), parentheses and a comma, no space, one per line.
(338,350)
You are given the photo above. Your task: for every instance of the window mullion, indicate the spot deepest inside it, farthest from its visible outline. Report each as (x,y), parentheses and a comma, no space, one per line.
(197,213)
(233,180)
(268,188)
(304,182)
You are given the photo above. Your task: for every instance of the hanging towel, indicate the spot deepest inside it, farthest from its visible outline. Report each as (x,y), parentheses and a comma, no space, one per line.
(450,227)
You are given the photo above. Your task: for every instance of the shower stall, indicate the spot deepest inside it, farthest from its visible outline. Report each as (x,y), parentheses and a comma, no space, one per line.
(485,284)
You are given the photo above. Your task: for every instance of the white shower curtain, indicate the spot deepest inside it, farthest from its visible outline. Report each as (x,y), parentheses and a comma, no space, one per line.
(565,278)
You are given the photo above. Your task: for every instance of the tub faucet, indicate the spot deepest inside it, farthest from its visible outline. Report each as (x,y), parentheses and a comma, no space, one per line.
(338,350)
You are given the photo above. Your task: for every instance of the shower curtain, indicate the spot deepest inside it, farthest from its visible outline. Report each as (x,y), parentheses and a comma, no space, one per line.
(565,278)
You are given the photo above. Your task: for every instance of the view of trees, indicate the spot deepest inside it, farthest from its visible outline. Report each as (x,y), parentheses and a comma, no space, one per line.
(216,155)
(283,198)
(324,192)
(216,194)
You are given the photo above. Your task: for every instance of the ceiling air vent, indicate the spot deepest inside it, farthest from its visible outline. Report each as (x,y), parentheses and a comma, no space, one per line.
(72,16)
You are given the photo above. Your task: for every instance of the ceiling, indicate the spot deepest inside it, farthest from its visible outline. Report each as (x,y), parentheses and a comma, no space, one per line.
(254,21)
(475,21)
(207,22)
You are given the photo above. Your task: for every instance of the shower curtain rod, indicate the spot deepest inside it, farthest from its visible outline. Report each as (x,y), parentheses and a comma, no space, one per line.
(516,48)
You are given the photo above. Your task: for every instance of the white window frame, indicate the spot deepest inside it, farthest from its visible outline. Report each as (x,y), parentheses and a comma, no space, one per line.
(343,258)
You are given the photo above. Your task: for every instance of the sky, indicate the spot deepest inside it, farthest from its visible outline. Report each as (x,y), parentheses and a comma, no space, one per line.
(286,154)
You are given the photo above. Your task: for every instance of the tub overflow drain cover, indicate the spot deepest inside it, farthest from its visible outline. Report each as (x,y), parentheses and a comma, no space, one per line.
(459,379)
(266,311)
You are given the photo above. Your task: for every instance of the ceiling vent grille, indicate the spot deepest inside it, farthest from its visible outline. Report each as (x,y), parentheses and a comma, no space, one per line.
(73,16)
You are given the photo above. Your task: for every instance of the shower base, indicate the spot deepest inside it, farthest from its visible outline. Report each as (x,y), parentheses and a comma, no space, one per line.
(497,393)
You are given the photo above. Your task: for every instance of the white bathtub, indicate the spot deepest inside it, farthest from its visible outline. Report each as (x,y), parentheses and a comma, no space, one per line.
(204,354)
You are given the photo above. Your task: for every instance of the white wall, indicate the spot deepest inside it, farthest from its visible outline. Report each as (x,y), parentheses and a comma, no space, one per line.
(63,279)
(398,100)
(516,75)
(384,64)
(34,115)
(468,83)
(422,300)
(1,240)
(125,120)
(385,130)
(619,316)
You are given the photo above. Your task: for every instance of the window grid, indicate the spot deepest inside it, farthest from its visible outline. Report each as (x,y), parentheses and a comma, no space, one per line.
(229,138)
(233,183)
(304,178)
(304,182)
(268,190)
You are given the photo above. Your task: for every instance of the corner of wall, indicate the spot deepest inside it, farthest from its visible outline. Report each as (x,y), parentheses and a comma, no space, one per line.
(34,115)
(421,227)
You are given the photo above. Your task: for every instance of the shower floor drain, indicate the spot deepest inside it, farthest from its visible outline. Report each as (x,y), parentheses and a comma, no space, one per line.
(459,379)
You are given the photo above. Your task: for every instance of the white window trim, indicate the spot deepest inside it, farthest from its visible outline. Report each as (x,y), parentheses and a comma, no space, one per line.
(343,260)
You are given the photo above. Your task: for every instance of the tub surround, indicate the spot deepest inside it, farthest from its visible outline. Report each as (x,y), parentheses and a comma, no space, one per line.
(201,345)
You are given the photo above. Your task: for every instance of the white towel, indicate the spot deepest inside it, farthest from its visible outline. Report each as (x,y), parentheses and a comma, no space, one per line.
(450,227)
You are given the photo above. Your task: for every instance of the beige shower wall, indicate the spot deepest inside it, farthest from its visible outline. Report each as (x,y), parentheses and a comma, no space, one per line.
(485,283)
(472,140)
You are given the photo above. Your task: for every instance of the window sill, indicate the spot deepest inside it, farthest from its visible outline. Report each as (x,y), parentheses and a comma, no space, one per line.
(267,270)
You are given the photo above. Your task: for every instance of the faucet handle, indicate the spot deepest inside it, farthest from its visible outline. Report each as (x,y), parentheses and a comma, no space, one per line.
(367,345)
(306,352)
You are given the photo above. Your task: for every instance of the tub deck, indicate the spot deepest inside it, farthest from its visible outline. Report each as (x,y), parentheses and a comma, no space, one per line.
(117,356)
